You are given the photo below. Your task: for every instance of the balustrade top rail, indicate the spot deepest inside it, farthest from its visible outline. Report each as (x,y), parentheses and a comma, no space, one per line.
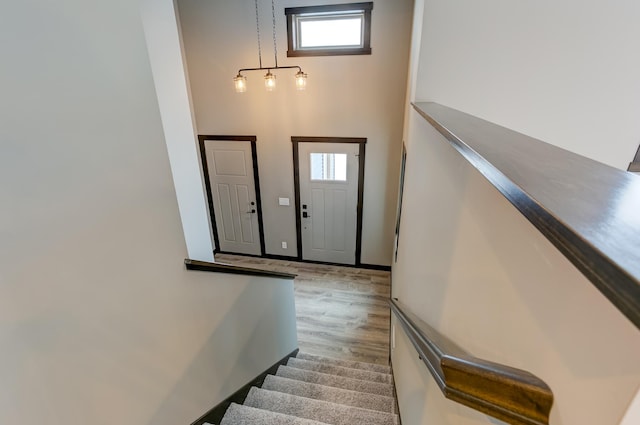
(588,210)
(228,268)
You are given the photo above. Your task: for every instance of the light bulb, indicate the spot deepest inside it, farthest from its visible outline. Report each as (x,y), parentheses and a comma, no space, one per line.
(301,80)
(269,81)
(240,82)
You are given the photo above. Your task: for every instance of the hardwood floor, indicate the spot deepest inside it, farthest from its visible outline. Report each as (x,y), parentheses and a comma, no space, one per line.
(342,312)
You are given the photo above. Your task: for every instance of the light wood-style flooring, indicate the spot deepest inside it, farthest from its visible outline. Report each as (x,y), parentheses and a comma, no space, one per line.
(342,312)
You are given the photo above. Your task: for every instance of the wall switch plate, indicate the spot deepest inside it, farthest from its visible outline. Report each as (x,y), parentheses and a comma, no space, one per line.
(283,201)
(284,245)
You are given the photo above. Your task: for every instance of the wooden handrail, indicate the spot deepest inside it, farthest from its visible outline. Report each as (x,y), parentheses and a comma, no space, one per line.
(511,395)
(586,209)
(634,166)
(228,268)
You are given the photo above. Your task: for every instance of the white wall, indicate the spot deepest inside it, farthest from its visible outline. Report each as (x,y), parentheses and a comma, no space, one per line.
(469,264)
(563,72)
(473,267)
(347,96)
(165,53)
(99,321)
(633,413)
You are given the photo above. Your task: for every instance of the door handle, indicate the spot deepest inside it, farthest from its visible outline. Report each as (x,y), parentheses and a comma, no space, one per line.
(305,214)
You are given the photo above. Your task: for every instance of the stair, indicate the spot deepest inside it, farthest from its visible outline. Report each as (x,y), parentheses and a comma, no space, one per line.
(315,390)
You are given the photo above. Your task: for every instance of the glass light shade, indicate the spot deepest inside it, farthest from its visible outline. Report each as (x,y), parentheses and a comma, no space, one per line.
(240,82)
(270,81)
(301,80)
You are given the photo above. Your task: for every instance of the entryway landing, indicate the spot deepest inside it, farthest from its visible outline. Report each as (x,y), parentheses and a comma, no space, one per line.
(342,312)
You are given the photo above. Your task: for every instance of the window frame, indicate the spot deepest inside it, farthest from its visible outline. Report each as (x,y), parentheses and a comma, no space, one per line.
(322,12)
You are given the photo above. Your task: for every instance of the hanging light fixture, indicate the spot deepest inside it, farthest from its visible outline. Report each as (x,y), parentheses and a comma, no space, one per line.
(301,80)
(240,81)
(270,81)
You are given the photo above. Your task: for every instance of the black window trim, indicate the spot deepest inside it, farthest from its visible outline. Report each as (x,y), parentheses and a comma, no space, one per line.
(333,51)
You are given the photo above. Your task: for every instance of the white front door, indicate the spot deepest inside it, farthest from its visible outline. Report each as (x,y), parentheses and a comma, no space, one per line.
(329,201)
(233,192)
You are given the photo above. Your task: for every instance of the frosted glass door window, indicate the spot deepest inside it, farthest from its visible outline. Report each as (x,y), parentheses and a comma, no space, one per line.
(328,166)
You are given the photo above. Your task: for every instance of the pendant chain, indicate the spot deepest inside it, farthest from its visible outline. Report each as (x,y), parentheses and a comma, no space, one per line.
(258,32)
(275,48)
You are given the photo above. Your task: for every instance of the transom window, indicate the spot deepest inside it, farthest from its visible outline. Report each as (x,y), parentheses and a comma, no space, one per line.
(341,29)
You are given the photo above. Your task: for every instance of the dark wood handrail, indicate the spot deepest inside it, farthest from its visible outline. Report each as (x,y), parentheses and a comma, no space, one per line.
(228,268)
(634,166)
(511,395)
(587,209)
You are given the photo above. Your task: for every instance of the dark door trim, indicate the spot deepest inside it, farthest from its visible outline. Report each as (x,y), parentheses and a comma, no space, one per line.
(296,181)
(207,183)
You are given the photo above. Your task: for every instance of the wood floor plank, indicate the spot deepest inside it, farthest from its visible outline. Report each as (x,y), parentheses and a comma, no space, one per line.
(342,312)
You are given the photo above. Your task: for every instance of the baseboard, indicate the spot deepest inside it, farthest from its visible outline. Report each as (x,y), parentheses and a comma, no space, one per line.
(214,416)
(280,257)
(268,256)
(395,396)
(375,267)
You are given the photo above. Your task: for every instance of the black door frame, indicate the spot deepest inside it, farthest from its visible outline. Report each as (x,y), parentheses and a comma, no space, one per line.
(361,141)
(207,183)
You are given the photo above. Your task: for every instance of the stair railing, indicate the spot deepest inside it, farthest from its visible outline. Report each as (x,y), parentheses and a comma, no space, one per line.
(584,208)
(634,166)
(228,268)
(509,394)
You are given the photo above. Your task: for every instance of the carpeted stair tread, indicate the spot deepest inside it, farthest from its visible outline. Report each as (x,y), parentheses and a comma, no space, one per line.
(345,363)
(331,394)
(335,381)
(364,375)
(318,410)
(244,415)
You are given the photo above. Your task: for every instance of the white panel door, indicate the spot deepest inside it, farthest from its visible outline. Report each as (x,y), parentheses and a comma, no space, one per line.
(233,191)
(329,201)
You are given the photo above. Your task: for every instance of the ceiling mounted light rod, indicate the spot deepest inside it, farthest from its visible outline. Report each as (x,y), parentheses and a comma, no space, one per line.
(240,80)
(270,67)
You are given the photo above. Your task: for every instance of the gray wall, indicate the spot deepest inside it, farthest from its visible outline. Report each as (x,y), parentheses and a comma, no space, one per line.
(563,72)
(164,45)
(99,321)
(347,96)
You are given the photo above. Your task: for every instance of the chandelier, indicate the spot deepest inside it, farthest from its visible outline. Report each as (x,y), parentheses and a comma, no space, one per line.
(240,81)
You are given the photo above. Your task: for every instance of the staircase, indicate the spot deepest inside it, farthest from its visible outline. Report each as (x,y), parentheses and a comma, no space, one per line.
(314,390)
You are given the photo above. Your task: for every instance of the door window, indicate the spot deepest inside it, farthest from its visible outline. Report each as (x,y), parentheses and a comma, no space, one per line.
(328,166)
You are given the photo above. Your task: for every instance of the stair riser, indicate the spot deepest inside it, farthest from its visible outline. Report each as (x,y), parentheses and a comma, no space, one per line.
(331,394)
(312,390)
(335,381)
(363,375)
(330,413)
(345,363)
